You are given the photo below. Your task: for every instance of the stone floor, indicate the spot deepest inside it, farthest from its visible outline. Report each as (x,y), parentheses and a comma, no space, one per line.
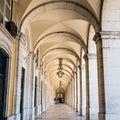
(60,112)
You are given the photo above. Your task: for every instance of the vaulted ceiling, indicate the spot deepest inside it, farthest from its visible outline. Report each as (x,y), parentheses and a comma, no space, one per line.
(58,29)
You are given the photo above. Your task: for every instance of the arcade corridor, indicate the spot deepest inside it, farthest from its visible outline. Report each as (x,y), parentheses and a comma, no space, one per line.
(57,52)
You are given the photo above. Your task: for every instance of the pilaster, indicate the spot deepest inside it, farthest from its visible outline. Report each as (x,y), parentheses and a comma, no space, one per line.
(76,74)
(101,89)
(73,93)
(111,61)
(80,79)
(87,86)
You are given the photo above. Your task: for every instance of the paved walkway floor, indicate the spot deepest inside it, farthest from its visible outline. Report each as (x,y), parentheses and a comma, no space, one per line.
(60,112)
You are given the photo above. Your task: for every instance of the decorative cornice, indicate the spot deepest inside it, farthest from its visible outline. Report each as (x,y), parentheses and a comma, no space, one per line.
(110,35)
(92,56)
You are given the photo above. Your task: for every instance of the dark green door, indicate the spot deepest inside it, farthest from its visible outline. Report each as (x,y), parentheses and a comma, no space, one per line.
(22,92)
(3,64)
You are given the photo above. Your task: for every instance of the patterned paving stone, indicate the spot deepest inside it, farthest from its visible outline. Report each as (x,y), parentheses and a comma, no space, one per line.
(60,112)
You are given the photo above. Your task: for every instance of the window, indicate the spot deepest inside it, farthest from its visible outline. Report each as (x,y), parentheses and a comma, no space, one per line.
(5,9)
(2,5)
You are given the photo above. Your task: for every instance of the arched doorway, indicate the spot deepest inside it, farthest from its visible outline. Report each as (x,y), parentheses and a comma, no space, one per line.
(3,82)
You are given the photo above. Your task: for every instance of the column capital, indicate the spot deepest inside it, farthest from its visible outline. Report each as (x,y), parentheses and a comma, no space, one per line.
(21,38)
(97,37)
(75,73)
(79,67)
(31,54)
(85,56)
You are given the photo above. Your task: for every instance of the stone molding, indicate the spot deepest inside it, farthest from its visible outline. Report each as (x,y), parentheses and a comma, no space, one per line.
(106,35)
(110,35)
(92,56)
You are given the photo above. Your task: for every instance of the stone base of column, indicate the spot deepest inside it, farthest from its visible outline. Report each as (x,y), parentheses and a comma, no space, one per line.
(38,110)
(93,113)
(80,110)
(14,117)
(73,108)
(77,107)
(83,110)
(32,113)
(101,116)
(88,113)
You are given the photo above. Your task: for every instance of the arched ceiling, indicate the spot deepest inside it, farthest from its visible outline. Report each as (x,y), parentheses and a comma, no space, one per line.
(58,29)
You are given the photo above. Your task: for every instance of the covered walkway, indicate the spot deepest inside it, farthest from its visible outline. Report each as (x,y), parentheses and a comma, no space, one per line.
(60,112)
(59,51)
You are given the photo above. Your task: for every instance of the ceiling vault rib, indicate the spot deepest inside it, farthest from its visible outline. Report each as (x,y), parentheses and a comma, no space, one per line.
(65,50)
(63,65)
(87,11)
(64,33)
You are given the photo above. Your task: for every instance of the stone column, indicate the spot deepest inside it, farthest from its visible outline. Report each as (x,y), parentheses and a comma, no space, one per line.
(38,92)
(73,94)
(80,79)
(101,90)
(87,87)
(76,84)
(18,80)
(93,85)
(75,90)
(30,84)
(83,89)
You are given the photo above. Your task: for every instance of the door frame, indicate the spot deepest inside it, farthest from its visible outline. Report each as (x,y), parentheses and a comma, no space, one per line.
(7,83)
(23,91)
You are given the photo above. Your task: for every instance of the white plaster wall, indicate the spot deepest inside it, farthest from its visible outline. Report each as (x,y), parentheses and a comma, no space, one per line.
(111,56)
(111,15)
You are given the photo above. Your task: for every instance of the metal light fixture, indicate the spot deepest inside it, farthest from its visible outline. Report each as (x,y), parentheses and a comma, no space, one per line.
(60,73)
